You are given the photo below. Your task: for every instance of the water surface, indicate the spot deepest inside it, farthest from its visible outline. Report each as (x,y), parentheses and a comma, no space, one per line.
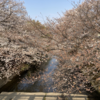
(24,83)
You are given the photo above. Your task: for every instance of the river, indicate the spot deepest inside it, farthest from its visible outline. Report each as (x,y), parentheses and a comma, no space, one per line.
(24,83)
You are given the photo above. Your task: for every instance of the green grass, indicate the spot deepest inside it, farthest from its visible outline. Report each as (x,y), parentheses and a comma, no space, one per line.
(45,96)
(24,67)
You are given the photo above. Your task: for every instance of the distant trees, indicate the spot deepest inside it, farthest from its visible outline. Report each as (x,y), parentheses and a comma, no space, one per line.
(32,25)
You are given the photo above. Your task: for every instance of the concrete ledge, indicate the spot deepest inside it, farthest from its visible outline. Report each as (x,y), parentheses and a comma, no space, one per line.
(35,93)
(53,94)
(22,93)
(41,96)
(74,94)
(10,93)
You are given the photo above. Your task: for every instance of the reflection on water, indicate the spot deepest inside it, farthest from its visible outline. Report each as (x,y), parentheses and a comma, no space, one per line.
(24,83)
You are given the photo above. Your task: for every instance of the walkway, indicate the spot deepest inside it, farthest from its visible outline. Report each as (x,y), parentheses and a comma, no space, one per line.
(41,96)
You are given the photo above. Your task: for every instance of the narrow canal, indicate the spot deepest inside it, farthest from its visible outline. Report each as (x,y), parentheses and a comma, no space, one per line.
(25,83)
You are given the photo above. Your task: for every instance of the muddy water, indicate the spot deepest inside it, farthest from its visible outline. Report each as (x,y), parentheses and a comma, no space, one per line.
(24,83)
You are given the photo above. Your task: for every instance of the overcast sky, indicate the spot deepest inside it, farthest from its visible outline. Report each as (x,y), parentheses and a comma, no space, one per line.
(39,9)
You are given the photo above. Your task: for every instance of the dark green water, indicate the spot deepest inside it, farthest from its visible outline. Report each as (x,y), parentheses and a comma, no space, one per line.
(25,83)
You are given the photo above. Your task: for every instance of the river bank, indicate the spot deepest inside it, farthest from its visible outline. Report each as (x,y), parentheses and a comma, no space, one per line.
(33,61)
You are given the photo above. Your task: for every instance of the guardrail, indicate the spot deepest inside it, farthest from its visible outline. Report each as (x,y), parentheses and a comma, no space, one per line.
(42,96)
